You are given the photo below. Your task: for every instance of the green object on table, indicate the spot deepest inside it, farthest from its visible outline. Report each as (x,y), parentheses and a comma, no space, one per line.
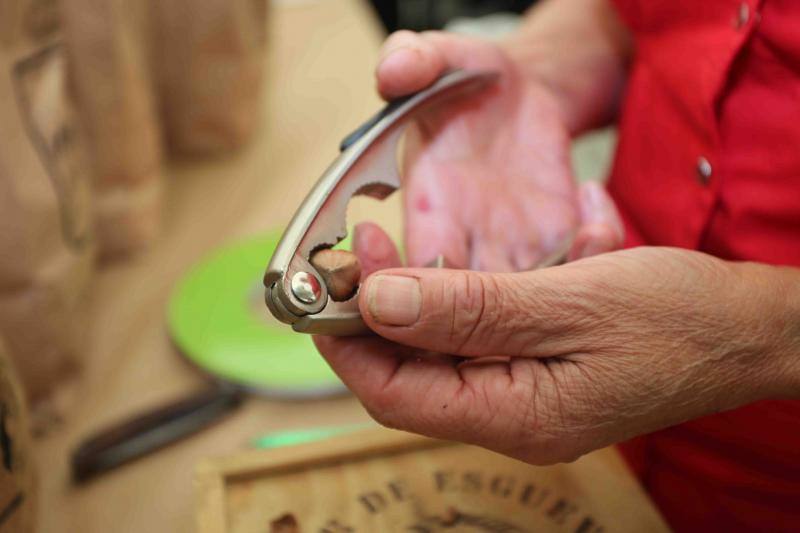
(218,319)
(280,439)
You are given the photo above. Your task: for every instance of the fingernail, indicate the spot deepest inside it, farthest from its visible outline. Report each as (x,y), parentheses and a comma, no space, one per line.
(393,54)
(394,300)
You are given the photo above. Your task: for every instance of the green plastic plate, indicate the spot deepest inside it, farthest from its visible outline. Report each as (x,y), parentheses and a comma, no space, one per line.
(218,319)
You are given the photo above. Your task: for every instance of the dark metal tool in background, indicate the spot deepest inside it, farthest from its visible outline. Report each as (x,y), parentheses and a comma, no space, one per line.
(150,431)
(419,15)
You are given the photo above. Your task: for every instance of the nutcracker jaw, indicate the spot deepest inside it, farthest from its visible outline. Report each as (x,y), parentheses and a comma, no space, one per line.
(295,292)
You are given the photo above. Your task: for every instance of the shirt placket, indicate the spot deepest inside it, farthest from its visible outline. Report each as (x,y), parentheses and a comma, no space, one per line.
(708,174)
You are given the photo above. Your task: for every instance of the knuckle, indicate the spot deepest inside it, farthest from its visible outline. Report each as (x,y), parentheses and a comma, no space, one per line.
(472,304)
(569,306)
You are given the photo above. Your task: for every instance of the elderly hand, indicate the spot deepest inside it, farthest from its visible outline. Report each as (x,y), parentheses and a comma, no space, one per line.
(487,180)
(592,352)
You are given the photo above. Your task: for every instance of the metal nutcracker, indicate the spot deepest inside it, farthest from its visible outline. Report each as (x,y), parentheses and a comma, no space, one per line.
(295,292)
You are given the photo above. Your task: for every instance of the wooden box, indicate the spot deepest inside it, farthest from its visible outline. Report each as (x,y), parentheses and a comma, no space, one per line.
(381,480)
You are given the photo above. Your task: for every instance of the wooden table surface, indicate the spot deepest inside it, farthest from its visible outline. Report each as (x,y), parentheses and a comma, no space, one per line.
(319,86)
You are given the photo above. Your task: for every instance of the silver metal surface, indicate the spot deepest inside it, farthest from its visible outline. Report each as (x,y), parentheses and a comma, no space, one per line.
(366,167)
(306,287)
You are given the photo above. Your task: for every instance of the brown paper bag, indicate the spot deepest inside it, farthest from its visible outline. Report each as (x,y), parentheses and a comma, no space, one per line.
(108,52)
(45,211)
(210,58)
(17,477)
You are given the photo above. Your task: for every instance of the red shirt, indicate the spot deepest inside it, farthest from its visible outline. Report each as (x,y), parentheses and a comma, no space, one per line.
(709,159)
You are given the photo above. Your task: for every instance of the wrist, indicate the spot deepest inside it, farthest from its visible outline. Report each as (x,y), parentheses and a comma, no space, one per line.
(788,294)
(774,296)
(579,51)
(534,62)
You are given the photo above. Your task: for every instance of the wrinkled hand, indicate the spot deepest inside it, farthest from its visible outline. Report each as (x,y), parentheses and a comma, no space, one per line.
(487,180)
(600,350)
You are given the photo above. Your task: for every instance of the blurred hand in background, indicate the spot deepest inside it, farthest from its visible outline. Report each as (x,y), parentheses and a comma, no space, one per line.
(488,182)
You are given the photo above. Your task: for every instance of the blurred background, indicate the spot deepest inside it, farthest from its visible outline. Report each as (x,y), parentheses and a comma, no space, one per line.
(419,15)
(151,152)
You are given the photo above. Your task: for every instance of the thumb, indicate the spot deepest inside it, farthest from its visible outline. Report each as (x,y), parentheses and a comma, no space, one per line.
(410,61)
(462,312)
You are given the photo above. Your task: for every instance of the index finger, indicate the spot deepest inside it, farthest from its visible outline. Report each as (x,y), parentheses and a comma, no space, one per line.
(374,249)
